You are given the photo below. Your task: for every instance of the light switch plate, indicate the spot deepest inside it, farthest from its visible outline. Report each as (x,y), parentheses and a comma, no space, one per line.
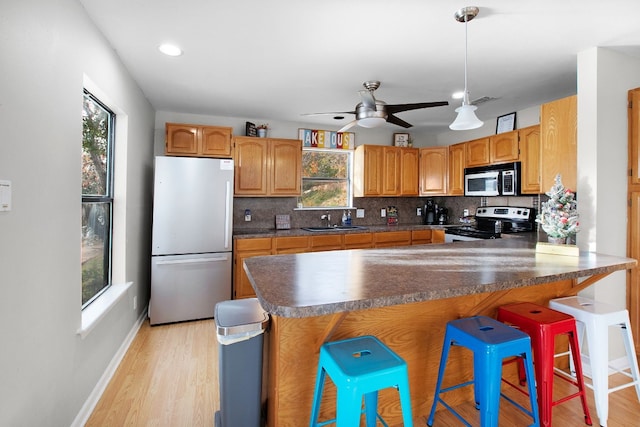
(383,213)
(359,213)
(5,195)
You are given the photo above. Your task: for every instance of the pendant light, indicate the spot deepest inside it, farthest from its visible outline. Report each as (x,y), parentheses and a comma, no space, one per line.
(466,116)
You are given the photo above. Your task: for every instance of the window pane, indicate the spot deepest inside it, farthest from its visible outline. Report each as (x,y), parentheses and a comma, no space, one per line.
(321,193)
(96,232)
(325,164)
(326,178)
(96,122)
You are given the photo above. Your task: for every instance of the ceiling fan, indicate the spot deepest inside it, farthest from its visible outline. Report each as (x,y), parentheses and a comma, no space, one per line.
(372,112)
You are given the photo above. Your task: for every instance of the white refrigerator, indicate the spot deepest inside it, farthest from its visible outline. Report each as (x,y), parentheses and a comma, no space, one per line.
(191,256)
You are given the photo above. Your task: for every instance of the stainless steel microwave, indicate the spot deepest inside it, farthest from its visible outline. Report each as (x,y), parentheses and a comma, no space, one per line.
(493,180)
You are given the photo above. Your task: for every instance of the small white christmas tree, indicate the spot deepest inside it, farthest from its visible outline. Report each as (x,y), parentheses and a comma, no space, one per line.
(559,216)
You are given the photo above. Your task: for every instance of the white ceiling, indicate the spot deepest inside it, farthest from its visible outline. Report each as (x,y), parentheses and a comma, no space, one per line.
(274,60)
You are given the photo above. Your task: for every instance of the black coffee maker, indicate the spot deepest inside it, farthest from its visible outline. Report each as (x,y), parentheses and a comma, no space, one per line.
(430,212)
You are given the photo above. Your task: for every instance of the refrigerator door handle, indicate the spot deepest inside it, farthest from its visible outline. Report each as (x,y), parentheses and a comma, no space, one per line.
(192,261)
(227,215)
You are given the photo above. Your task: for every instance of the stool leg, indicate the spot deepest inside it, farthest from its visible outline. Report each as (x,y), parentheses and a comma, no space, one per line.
(543,368)
(349,408)
(317,397)
(487,372)
(631,355)
(577,365)
(371,408)
(598,340)
(443,362)
(530,375)
(405,400)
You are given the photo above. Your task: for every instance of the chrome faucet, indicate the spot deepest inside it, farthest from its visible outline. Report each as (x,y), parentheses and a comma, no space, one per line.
(326,217)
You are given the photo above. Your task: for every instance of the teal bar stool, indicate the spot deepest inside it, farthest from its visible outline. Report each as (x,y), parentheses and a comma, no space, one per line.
(359,367)
(491,342)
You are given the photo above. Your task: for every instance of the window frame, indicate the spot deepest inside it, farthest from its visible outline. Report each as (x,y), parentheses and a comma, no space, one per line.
(349,179)
(108,198)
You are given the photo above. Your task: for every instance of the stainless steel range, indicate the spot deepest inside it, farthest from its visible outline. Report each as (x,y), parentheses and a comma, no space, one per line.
(492,221)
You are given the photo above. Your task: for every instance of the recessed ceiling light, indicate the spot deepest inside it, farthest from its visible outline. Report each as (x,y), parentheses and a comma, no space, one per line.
(170,49)
(458,95)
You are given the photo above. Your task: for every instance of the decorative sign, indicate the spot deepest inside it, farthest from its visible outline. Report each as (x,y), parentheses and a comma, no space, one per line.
(315,138)
(506,123)
(250,129)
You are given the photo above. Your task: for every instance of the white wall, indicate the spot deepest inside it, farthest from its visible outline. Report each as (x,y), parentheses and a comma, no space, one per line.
(46,370)
(604,78)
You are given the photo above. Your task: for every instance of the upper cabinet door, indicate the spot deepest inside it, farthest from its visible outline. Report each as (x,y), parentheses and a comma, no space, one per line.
(409,179)
(215,141)
(251,156)
(391,171)
(181,139)
(530,158)
(457,162)
(558,143)
(434,171)
(634,136)
(286,167)
(478,152)
(504,147)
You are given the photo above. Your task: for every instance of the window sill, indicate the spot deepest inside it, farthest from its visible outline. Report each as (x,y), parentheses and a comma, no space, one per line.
(101,306)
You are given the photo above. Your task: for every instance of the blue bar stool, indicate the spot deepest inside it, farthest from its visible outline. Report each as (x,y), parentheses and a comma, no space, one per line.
(490,341)
(359,367)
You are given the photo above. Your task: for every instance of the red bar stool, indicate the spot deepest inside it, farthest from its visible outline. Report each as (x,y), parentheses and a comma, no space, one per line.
(543,324)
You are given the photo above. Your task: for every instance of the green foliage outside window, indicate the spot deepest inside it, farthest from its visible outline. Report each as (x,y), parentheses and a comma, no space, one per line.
(326,178)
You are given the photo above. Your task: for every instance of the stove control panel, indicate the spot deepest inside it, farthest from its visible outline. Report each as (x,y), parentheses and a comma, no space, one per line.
(505,212)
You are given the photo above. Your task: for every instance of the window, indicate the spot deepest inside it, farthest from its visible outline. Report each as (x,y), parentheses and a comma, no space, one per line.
(326,178)
(98,125)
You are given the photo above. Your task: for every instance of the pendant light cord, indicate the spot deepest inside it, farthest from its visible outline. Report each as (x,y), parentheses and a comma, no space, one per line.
(465,99)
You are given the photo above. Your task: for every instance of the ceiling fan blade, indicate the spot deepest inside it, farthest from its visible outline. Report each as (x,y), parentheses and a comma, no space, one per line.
(348,126)
(396,121)
(328,114)
(397,108)
(368,99)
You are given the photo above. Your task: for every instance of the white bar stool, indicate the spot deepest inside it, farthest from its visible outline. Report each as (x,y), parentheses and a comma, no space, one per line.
(594,318)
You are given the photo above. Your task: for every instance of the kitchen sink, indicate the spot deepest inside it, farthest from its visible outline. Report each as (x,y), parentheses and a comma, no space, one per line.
(335,228)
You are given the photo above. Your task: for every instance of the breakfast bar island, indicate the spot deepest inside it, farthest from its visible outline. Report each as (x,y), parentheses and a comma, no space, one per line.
(404,296)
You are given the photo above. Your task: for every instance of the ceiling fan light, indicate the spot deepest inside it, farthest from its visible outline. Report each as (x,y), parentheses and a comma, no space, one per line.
(371,122)
(466,118)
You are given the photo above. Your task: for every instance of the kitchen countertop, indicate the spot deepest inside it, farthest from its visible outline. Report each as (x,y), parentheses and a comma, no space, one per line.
(314,284)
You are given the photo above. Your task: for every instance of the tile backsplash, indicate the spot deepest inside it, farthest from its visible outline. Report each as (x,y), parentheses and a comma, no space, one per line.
(264,210)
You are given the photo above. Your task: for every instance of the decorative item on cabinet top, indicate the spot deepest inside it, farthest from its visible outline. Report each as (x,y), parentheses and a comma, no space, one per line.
(315,138)
(506,123)
(401,139)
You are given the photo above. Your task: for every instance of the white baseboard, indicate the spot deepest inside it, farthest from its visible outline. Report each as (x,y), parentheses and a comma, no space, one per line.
(621,364)
(96,393)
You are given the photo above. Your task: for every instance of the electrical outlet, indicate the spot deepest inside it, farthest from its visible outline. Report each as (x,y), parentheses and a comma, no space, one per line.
(135,302)
(418,211)
(465,212)
(247,215)
(383,213)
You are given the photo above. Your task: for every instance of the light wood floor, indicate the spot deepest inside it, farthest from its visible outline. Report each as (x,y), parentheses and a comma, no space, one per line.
(169,377)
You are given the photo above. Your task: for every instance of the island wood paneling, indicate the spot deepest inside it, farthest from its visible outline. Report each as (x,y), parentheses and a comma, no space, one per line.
(415,331)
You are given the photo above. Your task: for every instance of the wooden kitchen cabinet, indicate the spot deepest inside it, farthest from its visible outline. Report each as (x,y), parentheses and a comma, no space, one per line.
(392,238)
(391,173)
(267,167)
(434,171)
(558,143)
(477,152)
(385,171)
(290,245)
(358,240)
(243,249)
(421,237)
(197,141)
(530,157)
(409,171)
(500,148)
(327,242)
(633,213)
(457,163)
